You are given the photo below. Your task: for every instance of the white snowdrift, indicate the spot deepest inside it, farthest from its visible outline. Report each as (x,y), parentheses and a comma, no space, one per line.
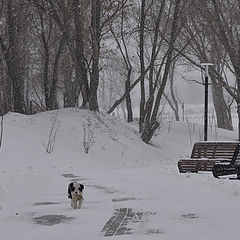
(120,171)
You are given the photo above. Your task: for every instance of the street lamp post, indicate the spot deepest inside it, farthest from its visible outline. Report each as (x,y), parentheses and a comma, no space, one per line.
(206,100)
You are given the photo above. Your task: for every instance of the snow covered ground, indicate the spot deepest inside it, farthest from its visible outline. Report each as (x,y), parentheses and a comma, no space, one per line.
(119,172)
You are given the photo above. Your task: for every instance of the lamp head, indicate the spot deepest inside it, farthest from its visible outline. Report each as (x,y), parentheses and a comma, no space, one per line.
(206,67)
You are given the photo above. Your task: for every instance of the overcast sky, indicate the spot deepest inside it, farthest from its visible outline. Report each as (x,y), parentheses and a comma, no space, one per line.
(190,91)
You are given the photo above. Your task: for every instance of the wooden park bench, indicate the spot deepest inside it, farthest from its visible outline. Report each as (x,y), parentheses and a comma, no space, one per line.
(206,154)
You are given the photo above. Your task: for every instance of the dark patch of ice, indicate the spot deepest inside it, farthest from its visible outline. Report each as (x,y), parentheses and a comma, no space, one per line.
(69,175)
(105,189)
(153,231)
(49,220)
(124,199)
(44,203)
(189,216)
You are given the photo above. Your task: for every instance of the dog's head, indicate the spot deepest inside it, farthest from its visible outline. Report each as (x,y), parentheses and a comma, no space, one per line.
(75,188)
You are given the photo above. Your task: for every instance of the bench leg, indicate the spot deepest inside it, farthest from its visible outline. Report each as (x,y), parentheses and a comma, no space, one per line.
(189,172)
(238,172)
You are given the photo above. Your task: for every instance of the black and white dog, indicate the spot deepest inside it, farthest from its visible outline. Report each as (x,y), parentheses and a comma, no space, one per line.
(75,192)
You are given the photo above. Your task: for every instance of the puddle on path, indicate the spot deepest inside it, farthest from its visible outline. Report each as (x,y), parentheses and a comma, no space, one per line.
(105,189)
(73,177)
(153,232)
(44,203)
(189,216)
(124,199)
(50,220)
(69,175)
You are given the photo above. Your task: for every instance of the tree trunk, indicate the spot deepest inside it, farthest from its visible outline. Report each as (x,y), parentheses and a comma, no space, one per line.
(81,69)
(128,97)
(71,89)
(171,78)
(142,74)
(95,34)
(5,89)
(53,89)
(173,104)
(45,77)
(71,85)
(221,109)
(149,131)
(238,108)
(12,55)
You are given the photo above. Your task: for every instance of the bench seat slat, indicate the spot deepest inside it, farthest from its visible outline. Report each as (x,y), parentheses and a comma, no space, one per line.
(189,165)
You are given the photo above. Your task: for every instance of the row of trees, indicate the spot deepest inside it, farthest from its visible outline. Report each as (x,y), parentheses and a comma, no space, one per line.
(56,53)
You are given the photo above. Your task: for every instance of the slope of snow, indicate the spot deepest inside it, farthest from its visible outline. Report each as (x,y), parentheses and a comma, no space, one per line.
(120,171)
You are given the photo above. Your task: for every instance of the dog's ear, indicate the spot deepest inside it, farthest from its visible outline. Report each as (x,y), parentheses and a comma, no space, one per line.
(70,186)
(82,186)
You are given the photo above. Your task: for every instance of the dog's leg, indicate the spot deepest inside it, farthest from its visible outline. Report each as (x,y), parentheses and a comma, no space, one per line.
(75,204)
(71,202)
(80,203)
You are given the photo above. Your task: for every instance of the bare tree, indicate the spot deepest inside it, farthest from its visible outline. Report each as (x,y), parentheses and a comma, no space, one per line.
(172,100)
(217,41)
(204,47)
(151,123)
(123,46)
(11,43)
(227,32)
(52,47)
(62,13)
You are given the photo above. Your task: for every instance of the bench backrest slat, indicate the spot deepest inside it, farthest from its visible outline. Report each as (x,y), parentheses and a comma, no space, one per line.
(214,150)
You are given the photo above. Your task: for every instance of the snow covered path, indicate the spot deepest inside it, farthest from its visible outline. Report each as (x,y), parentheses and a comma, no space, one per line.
(173,206)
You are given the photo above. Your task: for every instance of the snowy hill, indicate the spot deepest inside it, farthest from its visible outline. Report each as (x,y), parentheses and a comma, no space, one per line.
(120,173)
